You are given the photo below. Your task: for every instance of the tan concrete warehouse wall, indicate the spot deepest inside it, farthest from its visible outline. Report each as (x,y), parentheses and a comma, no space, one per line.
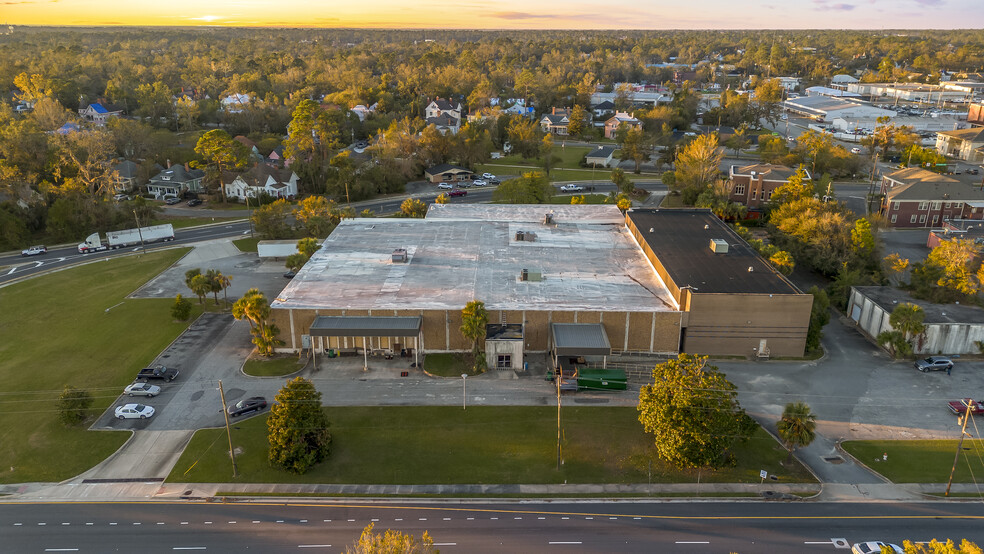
(441,329)
(736,323)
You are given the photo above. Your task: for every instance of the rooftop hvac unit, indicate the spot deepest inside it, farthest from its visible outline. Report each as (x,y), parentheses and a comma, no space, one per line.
(400,256)
(520,236)
(719,246)
(524,275)
(532,276)
(548,218)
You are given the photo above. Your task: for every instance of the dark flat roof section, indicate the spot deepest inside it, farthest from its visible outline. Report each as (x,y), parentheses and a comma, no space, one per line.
(681,240)
(365,326)
(580,339)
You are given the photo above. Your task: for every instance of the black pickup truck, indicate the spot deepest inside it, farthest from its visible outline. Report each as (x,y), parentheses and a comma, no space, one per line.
(168,374)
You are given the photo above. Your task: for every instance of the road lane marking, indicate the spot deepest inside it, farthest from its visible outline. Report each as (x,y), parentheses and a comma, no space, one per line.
(184,523)
(303,521)
(208,523)
(88,523)
(113,523)
(588,517)
(565,517)
(232,522)
(18,524)
(470,518)
(314,546)
(188,548)
(418,519)
(493,518)
(327,521)
(613,518)
(564,542)
(445,544)
(160,523)
(541,518)
(693,542)
(256,521)
(377,519)
(61,549)
(280,521)
(351,520)
(398,519)
(66,523)
(447,519)
(136,523)
(42,523)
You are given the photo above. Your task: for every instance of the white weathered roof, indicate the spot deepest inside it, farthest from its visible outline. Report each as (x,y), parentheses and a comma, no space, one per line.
(462,252)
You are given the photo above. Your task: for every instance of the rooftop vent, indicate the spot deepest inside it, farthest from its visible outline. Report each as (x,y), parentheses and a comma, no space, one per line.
(400,256)
(528,236)
(548,218)
(527,275)
(719,246)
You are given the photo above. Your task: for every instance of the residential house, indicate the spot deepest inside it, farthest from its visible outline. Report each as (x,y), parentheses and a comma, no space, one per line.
(362,112)
(601,157)
(235,103)
(98,113)
(603,108)
(620,118)
(176,180)
(556,121)
(260,179)
(520,108)
(445,123)
(962,144)
(276,157)
(448,173)
(444,115)
(126,177)
(254,150)
(753,185)
(915,197)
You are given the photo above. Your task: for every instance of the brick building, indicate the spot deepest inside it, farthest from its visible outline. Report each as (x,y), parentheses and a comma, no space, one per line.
(915,197)
(754,184)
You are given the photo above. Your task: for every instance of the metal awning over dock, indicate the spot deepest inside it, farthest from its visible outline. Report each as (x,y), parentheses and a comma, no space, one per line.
(580,339)
(365,326)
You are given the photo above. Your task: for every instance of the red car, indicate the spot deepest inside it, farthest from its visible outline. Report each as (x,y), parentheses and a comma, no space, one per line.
(458,192)
(959,407)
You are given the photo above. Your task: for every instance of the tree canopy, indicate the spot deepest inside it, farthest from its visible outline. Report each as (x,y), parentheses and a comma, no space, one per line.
(693,413)
(297,428)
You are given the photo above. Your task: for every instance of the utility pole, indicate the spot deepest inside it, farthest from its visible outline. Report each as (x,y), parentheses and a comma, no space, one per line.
(559,374)
(963,433)
(139,232)
(232,453)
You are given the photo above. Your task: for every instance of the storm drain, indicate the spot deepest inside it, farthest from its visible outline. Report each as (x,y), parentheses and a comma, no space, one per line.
(833,459)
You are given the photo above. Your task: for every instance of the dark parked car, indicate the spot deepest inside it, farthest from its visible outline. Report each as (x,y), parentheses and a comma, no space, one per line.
(959,407)
(194,202)
(290,274)
(457,192)
(934,363)
(247,406)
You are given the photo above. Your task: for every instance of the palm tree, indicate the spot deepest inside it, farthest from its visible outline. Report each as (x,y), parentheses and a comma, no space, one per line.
(797,427)
(907,318)
(214,277)
(225,281)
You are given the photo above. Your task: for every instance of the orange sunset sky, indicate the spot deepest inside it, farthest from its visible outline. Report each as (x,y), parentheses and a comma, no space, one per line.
(510,14)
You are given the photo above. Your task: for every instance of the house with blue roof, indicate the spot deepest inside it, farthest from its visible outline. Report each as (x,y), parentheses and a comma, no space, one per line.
(99,113)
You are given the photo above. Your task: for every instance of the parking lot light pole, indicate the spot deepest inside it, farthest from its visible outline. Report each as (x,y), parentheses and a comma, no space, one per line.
(225,412)
(464,379)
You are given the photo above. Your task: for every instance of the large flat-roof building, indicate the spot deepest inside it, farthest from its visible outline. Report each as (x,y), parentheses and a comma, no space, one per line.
(535,265)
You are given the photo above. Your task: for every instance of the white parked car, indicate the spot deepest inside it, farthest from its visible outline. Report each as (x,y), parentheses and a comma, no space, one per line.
(480,183)
(444,186)
(134,411)
(571,188)
(142,389)
(855,150)
(488,176)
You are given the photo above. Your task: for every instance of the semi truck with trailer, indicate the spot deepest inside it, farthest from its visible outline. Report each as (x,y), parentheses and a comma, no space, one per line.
(127,237)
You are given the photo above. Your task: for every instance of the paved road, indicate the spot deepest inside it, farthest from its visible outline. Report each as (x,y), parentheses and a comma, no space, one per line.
(67,256)
(476,528)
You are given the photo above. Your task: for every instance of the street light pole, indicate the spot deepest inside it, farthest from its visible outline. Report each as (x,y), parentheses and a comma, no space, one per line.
(464,379)
(225,412)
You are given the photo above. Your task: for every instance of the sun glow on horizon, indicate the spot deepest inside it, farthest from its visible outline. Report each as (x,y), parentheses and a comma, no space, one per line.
(505,14)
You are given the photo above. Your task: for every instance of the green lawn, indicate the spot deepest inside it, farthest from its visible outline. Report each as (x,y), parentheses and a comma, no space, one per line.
(183,222)
(246,245)
(588,198)
(449,364)
(483,444)
(275,367)
(74,327)
(920,461)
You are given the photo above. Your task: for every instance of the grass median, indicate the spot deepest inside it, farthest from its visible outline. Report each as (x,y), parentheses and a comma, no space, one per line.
(483,444)
(74,327)
(920,461)
(273,367)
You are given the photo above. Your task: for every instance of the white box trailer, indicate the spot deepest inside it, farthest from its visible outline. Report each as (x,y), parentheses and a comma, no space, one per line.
(276,248)
(127,237)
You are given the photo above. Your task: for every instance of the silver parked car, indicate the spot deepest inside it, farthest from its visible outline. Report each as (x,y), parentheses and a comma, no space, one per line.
(934,363)
(134,411)
(142,389)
